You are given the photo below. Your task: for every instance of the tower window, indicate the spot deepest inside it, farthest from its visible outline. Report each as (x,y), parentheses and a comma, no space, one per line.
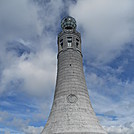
(61,45)
(61,40)
(69,44)
(77,39)
(77,44)
(69,41)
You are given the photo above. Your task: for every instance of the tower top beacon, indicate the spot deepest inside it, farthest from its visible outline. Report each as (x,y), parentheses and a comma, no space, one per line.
(68,23)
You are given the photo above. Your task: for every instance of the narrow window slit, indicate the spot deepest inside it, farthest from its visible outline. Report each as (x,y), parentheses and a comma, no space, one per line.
(61,45)
(61,40)
(77,44)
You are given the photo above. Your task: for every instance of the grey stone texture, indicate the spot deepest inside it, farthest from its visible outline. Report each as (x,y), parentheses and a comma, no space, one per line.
(71,112)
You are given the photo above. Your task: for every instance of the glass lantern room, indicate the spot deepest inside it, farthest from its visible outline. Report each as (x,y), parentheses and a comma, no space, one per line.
(68,23)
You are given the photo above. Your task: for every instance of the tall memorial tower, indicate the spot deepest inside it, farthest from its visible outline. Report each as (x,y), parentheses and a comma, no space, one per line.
(71,112)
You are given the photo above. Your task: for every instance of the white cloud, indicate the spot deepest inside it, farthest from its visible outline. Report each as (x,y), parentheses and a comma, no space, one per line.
(32,130)
(10,120)
(4,116)
(37,73)
(107,25)
(19,19)
(7,132)
(4,131)
(127,128)
(111,99)
(28,23)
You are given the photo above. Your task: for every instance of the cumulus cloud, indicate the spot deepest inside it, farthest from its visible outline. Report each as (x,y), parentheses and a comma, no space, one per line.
(107,26)
(31,25)
(127,128)
(18,122)
(108,89)
(19,19)
(115,116)
(32,130)
(7,132)
(32,62)
(30,65)
(37,74)
(10,120)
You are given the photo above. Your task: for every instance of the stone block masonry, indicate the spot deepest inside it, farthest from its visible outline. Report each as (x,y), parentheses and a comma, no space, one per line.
(71,112)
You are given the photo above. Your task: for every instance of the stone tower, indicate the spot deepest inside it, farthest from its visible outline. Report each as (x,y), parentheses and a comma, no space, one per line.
(71,112)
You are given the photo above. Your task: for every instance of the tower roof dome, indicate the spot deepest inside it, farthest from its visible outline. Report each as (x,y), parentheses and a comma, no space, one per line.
(68,23)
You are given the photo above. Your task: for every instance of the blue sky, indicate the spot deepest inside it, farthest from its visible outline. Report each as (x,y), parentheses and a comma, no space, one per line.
(28,49)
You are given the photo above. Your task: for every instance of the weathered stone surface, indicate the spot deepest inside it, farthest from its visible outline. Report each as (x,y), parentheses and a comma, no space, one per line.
(72,112)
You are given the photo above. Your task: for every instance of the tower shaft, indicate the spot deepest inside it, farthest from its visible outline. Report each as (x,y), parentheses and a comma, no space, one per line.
(71,111)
